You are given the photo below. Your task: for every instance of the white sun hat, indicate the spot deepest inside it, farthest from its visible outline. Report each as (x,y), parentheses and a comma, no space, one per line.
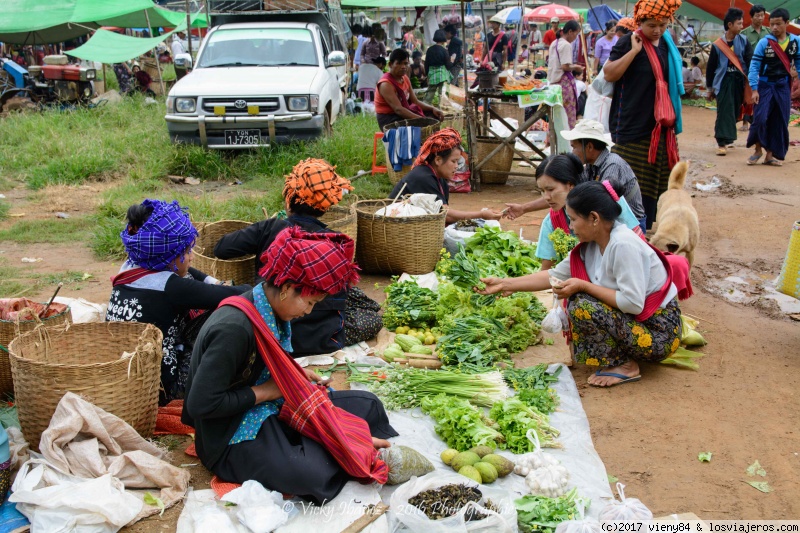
(588,129)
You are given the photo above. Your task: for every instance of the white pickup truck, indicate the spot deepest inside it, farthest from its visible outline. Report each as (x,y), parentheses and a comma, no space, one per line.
(259,83)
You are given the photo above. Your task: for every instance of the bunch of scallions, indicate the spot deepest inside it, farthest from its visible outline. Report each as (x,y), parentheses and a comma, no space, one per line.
(405,387)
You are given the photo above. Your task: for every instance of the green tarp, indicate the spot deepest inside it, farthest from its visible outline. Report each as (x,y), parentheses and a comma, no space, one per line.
(110,47)
(158,18)
(397,3)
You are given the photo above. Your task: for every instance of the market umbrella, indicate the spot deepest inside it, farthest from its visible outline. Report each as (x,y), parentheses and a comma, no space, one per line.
(308,409)
(511,15)
(547,12)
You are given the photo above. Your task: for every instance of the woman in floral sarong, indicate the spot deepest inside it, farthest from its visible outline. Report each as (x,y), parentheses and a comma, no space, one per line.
(620,292)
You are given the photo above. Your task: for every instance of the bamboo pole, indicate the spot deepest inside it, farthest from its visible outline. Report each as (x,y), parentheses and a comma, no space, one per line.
(585,53)
(188,30)
(158,63)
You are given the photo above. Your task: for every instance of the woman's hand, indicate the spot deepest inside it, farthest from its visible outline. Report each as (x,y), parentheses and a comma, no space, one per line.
(488,214)
(636,43)
(316,378)
(267,391)
(493,286)
(513,211)
(438,113)
(569,287)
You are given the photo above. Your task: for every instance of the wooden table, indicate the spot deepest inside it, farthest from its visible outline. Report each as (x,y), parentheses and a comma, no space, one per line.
(478,125)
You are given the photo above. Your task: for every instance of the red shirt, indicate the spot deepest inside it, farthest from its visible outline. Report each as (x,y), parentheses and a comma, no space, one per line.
(383,107)
(549,37)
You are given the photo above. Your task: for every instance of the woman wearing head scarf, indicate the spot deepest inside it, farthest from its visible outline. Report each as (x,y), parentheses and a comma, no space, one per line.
(436,163)
(638,65)
(341,320)
(156,285)
(242,377)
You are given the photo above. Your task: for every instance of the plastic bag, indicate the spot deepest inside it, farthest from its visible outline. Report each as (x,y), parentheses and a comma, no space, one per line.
(544,474)
(259,509)
(582,525)
(202,513)
(625,509)
(405,463)
(415,520)
(603,87)
(428,202)
(460,181)
(597,107)
(401,210)
(556,320)
(455,237)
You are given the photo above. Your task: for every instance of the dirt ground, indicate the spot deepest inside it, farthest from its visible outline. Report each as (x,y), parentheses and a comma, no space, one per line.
(742,405)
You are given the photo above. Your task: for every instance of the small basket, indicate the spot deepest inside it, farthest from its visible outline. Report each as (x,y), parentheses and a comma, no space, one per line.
(457,121)
(490,172)
(240,270)
(487,79)
(10,330)
(509,110)
(342,219)
(87,359)
(393,245)
(428,126)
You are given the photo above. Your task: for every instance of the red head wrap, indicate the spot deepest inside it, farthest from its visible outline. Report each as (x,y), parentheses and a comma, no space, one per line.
(317,262)
(442,140)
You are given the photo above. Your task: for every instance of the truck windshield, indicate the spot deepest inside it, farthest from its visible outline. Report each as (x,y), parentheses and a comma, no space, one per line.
(259,47)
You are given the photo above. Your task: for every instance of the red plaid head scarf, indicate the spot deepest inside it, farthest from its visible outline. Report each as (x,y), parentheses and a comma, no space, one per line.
(655,9)
(315,183)
(317,262)
(442,140)
(628,23)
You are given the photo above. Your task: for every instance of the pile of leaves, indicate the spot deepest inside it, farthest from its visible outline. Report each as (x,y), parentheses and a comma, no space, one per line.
(514,418)
(460,425)
(408,304)
(475,340)
(501,254)
(563,243)
(533,386)
(542,514)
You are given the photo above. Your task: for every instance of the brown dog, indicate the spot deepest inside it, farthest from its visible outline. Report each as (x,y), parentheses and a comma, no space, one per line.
(678,228)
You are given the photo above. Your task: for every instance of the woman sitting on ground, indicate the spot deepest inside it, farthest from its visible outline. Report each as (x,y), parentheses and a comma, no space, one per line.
(395,100)
(241,374)
(156,285)
(342,319)
(620,292)
(437,162)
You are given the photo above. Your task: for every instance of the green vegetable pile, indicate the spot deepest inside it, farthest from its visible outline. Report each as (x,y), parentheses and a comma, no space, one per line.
(563,243)
(514,418)
(463,271)
(473,339)
(533,386)
(460,424)
(408,304)
(501,253)
(542,514)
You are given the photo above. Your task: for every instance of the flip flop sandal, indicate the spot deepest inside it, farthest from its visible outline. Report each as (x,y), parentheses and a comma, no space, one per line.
(773,163)
(623,377)
(753,159)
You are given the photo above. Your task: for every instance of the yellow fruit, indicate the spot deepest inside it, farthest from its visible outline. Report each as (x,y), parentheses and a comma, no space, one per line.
(429,340)
(399,330)
(411,331)
(448,455)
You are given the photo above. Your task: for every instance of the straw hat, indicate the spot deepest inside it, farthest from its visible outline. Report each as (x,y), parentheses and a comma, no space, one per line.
(588,129)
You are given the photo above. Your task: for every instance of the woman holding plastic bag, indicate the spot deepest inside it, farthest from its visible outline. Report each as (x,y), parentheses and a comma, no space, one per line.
(622,302)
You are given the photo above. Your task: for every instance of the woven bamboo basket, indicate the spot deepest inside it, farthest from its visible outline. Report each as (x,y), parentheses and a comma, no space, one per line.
(500,162)
(393,245)
(509,110)
(11,329)
(240,270)
(428,126)
(87,359)
(342,219)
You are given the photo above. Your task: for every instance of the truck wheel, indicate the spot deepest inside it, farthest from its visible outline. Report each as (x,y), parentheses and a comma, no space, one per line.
(327,127)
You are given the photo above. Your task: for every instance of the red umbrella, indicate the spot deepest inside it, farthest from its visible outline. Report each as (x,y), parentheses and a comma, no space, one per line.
(308,409)
(546,12)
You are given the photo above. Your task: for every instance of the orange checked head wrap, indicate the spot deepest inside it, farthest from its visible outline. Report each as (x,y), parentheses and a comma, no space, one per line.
(628,23)
(655,9)
(442,140)
(315,183)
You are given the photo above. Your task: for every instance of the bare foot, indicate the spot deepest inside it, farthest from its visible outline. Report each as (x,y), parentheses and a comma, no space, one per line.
(380,443)
(630,369)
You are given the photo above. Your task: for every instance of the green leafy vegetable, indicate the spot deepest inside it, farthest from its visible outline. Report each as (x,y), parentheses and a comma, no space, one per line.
(473,339)
(756,469)
(514,418)
(612,479)
(463,271)
(149,499)
(501,253)
(543,400)
(563,243)
(459,424)
(532,377)
(704,457)
(408,304)
(543,514)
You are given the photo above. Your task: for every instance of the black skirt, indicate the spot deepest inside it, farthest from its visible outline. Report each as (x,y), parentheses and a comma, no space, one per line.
(283,460)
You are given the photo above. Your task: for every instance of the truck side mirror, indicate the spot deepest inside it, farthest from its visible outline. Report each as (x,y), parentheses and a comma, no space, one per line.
(337,59)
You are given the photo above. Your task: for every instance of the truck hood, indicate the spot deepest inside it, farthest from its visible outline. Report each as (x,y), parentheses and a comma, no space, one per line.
(247,81)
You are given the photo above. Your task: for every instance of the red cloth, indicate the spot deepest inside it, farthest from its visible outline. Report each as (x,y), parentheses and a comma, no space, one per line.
(781,54)
(318,262)
(549,38)
(442,140)
(559,220)
(308,409)
(680,275)
(168,421)
(664,112)
(651,303)
(129,276)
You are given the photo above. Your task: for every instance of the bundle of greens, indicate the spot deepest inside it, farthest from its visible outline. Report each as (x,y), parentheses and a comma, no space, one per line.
(405,387)
(408,304)
(532,377)
(473,339)
(543,400)
(563,243)
(542,514)
(501,253)
(460,424)
(463,271)
(514,418)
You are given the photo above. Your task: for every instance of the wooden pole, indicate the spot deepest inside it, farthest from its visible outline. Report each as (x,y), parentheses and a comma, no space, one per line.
(188,30)
(464,54)
(105,79)
(585,53)
(158,64)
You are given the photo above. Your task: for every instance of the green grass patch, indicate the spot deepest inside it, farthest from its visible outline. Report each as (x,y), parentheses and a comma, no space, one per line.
(16,282)
(55,230)
(12,282)
(4,209)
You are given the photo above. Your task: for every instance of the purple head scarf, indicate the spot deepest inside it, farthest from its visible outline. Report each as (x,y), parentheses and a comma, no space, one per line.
(165,235)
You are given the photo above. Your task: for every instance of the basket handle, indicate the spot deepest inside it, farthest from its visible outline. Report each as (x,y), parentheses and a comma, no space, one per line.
(145,345)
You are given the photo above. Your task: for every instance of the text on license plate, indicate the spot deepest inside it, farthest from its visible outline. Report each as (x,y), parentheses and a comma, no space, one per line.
(242,137)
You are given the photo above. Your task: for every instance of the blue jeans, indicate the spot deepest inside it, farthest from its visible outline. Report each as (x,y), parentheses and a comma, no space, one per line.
(643,224)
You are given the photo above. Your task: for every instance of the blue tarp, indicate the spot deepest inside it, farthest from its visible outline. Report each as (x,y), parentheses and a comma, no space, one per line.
(598,16)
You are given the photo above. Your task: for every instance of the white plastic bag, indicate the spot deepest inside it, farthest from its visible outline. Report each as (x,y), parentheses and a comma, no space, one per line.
(581,525)
(202,513)
(415,520)
(259,509)
(428,202)
(556,320)
(400,210)
(544,474)
(597,107)
(454,237)
(625,509)
(603,87)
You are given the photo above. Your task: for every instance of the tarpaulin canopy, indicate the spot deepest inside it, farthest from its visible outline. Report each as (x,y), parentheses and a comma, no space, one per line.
(110,47)
(159,17)
(397,3)
(717,10)
(599,15)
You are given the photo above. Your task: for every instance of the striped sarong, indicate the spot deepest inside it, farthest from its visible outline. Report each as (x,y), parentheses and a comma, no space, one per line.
(653,179)
(770,126)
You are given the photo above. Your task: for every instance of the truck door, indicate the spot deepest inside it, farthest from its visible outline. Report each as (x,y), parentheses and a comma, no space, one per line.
(334,75)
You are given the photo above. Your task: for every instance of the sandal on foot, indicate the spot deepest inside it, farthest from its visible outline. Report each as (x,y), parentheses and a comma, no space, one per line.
(744,128)
(753,159)
(773,162)
(622,377)
(721,150)
(731,146)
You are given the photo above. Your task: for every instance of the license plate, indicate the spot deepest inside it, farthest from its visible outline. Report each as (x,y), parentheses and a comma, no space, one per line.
(243,137)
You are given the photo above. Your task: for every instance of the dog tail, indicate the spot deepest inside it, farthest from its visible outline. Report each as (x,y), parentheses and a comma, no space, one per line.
(677,177)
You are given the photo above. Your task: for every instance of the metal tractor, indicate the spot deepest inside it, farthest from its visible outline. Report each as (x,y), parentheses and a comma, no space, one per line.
(55,82)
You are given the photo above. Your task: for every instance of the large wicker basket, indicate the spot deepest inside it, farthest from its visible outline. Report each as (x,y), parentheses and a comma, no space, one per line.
(240,270)
(88,359)
(428,126)
(11,329)
(509,110)
(393,245)
(492,171)
(342,219)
